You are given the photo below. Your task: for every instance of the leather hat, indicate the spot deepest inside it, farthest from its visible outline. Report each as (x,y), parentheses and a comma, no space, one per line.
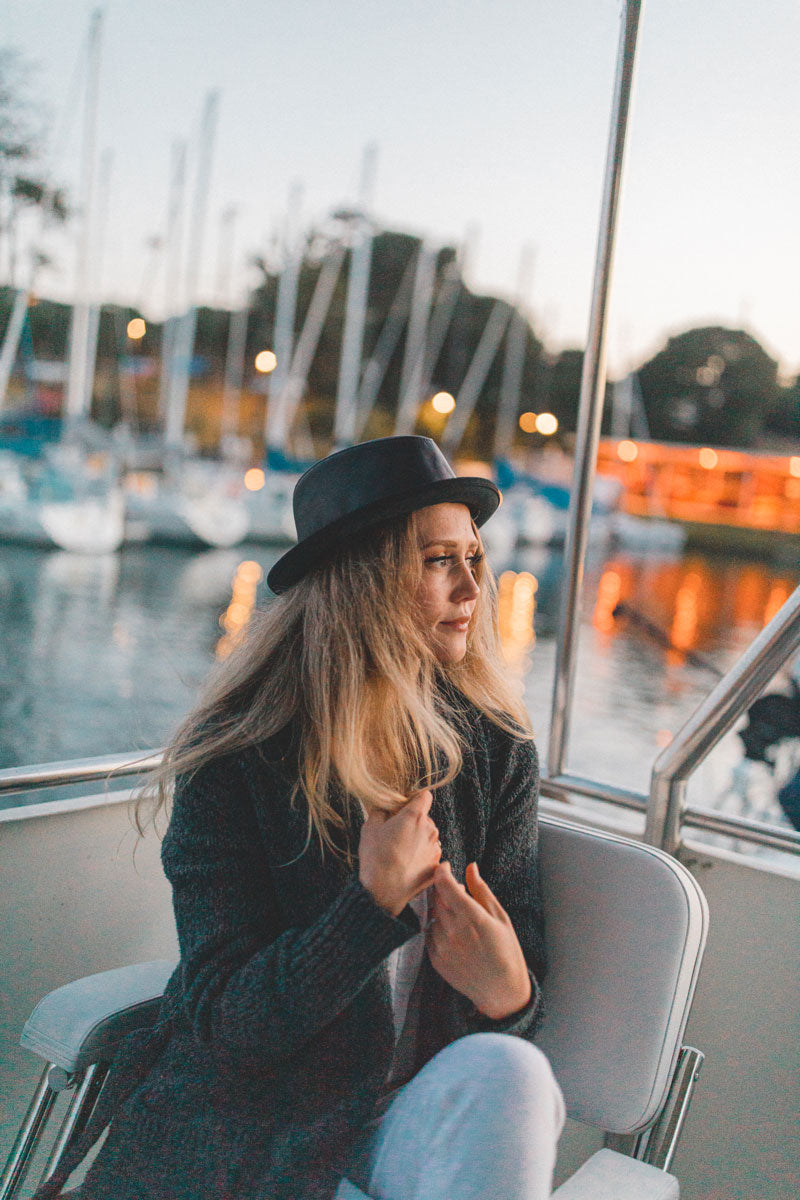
(360,487)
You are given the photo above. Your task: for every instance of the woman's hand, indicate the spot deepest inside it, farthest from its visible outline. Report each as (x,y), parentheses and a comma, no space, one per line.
(472,944)
(398,854)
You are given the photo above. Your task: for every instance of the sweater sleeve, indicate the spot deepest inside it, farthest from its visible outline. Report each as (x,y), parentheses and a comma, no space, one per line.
(510,867)
(249,987)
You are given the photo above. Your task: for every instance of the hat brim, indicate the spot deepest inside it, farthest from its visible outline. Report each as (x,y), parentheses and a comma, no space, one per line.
(481,497)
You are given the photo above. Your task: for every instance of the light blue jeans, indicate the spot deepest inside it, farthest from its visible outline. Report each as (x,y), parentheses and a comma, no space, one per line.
(481,1121)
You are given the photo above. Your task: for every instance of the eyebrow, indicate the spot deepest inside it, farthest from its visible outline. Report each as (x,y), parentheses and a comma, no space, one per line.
(445,542)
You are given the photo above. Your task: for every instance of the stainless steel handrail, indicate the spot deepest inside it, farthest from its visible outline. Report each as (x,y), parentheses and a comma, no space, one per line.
(121,766)
(734,693)
(590,412)
(757,832)
(76,770)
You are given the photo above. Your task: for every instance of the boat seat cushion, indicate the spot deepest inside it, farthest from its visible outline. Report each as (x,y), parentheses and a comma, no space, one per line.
(83,1022)
(608,1175)
(626,926)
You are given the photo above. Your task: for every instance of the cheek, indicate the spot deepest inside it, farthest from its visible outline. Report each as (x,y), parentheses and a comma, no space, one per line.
(429,597)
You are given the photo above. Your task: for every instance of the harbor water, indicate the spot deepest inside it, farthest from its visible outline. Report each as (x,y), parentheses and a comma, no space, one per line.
(105,654)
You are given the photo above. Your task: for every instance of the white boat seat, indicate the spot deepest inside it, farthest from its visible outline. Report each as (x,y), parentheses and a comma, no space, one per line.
(608,1175)
(83,1022)
(626,928)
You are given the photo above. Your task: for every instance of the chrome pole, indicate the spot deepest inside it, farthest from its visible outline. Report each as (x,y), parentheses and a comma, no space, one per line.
(26,1141)
(735,692)
(77,1115)
(591,400)
(77,770)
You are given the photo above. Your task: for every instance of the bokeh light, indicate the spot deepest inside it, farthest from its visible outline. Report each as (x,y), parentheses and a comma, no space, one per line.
(628,451)
(516,594)
(708,458)
(254,479)
(243,600)
(443,403)
(265,362)
(136,328)
(794,466)
(546,423)
(527,422)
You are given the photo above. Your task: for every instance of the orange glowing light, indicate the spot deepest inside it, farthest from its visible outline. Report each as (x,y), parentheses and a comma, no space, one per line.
(265,362)
(684,624)
(708,458)
(628,451)
(443,403)
(778,596)
(516,608)
(243,599)
(546,423)
(527,422)
(254,479)
(136,329)
(249,572)
(608,594)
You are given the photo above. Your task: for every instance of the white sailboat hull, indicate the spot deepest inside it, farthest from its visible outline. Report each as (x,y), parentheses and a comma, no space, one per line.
(169,516)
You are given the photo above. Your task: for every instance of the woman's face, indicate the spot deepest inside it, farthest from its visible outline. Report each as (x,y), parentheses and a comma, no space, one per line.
(448,592)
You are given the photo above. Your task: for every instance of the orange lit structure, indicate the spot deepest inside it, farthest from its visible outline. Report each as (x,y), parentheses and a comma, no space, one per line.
(702,485)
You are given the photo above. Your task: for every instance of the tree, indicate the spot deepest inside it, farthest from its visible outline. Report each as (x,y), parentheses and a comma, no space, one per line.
(712,385)
(24,184)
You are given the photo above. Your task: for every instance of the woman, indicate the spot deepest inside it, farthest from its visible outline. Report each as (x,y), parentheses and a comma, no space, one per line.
(352,850)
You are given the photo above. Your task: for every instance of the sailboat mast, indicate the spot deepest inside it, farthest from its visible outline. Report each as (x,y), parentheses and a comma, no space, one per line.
(413,360)
(172,239)
(476,375)
(237,331)
(184,342)
(286,404)
(344,426)
(286,308)
(103,190)
(8,354)
(375,369)
(514,361)
(78,399)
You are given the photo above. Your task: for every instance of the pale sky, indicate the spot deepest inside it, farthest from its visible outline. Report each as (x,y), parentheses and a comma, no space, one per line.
(487,113)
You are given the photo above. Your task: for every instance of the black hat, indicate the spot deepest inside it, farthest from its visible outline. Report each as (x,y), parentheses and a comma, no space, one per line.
(362,486)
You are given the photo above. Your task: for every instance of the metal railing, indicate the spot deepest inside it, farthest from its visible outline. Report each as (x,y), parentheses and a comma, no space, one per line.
(77,770)
(17,780)
(734,693)
(590,408)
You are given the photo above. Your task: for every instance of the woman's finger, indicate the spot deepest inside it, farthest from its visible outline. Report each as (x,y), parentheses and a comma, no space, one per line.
(479,890)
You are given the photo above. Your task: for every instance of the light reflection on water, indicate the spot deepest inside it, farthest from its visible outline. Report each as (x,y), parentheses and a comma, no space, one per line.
(99,655)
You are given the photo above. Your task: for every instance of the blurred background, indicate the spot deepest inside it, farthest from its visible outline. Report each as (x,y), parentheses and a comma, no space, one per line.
(235,237)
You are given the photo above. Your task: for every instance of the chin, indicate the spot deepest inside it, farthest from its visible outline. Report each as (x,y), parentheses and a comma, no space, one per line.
(451,654)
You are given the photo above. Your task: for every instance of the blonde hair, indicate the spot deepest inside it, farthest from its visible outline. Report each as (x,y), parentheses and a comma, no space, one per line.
(344,655)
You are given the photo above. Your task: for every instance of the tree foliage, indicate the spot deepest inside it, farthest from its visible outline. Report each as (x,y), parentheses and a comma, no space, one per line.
(711,385)
(24,182)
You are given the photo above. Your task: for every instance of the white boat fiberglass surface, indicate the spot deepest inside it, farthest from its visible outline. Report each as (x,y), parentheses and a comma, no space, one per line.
(46,503)
(269,509)
(197,502)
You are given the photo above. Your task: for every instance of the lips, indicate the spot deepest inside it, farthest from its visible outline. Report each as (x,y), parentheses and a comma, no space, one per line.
(461,625)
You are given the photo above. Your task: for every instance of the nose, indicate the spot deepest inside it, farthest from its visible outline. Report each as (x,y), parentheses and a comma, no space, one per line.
(466,587)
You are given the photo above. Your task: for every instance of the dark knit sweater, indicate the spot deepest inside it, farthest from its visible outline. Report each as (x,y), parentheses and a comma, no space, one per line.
(276,1033)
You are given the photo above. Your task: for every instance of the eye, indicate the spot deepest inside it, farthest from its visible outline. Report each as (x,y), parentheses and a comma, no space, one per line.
(440,558)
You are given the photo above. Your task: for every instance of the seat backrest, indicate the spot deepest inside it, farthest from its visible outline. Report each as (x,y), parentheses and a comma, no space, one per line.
(626,928)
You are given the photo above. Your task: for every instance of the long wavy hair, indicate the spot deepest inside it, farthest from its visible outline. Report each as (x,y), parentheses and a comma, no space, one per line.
(344,656)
